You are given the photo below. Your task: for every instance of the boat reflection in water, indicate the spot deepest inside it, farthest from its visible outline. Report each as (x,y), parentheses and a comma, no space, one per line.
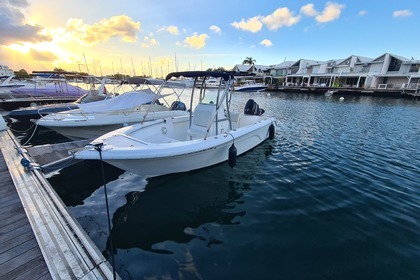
(180,207)
(171,208)
(74,189)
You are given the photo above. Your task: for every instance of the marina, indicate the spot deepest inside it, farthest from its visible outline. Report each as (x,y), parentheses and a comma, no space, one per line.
(142,140)
(333,196)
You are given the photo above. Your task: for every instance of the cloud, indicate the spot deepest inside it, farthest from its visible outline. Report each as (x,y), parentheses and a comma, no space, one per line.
(253,24)
(116,26)
(149,41)
(402,13)
(308,10)
(281,17)
(266,43)
(216,29)
(172,29)
(278,19)
(331,12)
(42,55)
(14,28)
(196,41)
(17,3)
(363,12)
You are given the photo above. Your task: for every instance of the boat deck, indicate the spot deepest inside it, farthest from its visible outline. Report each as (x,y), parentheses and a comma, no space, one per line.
(38,237)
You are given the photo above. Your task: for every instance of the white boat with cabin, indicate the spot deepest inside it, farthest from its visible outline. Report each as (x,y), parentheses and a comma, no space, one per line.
(250,85)
(7,84)
(26,114)
(46,87)
(212,133)
(94,119)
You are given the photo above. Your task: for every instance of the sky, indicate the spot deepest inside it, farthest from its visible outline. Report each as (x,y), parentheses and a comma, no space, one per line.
(155,37)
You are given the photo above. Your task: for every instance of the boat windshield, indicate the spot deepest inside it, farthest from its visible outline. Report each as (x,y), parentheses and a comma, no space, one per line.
(210,97)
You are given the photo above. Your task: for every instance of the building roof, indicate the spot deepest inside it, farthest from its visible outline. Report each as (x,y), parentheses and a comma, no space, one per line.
(242,67)
(284,64)
(381,58)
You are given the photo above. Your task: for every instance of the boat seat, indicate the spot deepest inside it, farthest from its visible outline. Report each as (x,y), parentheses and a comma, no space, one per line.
(202,117)
(236,119)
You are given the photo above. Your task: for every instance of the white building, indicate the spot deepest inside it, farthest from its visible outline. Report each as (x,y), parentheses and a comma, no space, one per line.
(257,72)
(387,71)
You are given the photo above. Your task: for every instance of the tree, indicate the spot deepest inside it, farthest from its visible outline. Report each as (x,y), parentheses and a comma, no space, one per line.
(56,69)
(22,74)
(249,60)
(216,69)
(120,77)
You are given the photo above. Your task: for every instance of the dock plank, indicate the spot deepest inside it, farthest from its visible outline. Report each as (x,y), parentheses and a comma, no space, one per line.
(7,239)
(14,269)
(9,201)
(11,218)
(17,250)
(10,209)
(33,273)
(11,226)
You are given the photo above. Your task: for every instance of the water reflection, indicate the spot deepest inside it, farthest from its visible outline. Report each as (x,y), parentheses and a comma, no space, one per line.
(171,206)
(77,182)
(177,207)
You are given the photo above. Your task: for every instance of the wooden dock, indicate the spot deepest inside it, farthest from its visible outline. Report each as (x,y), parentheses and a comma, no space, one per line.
(20,255)
(38,237)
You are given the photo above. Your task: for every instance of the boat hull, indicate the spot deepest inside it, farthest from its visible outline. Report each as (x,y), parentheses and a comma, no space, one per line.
(13,104)
(77,127)
(31,113)
(154,159)
(250,88)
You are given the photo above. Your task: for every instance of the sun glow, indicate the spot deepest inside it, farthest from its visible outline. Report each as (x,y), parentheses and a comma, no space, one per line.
(22,48)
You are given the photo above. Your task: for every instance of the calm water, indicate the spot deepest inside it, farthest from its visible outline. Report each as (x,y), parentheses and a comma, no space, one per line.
(336,195)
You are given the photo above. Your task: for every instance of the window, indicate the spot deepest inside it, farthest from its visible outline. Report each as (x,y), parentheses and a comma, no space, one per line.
(414,67)
(394,65)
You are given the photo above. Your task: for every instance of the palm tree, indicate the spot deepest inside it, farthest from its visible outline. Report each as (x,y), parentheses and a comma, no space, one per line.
(249,60)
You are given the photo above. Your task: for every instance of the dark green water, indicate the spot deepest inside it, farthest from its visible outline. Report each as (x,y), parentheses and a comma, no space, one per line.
(336,195)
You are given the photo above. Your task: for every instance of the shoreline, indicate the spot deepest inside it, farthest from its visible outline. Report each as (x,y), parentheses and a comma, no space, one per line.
(407,94)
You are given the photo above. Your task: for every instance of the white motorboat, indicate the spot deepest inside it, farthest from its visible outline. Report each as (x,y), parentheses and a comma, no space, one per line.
(209,83)
(250,85)
(7,83)
(209,135)
(329,92)
(26,114)
(45,88)
(92,120)
(48,84)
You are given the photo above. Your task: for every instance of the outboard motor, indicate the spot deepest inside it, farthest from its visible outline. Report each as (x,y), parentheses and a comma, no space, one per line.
(178,105)
(252,108)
